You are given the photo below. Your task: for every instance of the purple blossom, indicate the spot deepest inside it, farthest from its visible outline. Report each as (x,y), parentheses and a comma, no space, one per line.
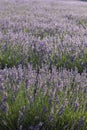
(5,107)
(20,118)
(21,127)
(60,112)
(76,105)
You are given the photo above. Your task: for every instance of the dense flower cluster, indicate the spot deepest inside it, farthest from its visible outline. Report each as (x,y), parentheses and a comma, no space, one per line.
(43,65)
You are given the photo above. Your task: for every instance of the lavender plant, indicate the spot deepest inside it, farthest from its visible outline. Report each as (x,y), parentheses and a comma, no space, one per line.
(43,65)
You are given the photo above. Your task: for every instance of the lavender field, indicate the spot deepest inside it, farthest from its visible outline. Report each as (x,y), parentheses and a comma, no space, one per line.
(43,65)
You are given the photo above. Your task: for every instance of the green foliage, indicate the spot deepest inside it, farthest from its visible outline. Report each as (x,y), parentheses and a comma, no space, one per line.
(10,55)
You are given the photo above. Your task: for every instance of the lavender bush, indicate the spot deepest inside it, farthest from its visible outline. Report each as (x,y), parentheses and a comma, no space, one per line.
(43,65)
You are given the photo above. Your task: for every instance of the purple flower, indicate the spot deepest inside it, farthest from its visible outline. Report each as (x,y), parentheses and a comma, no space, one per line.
(20,118)
(4,99)
(81,122)
(31,127)
(44,109)
(60,112)
(76,105)
(5,107)
(21,127)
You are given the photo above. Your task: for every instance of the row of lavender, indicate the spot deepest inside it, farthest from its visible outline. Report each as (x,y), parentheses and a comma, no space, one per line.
(40,100)
(48,31)
(43,62)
